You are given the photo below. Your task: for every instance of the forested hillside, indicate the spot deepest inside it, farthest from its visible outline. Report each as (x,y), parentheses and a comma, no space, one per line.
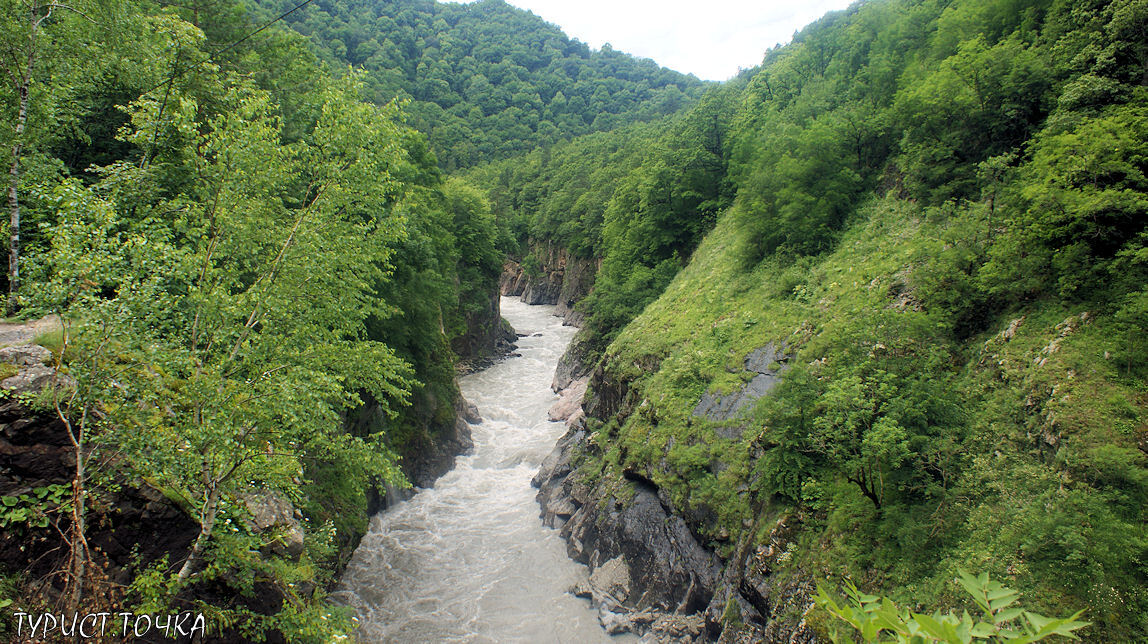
(872,312)
(486,80)
(259,285)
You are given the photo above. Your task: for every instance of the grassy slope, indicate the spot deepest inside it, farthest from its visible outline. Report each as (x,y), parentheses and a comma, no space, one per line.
(1048,421)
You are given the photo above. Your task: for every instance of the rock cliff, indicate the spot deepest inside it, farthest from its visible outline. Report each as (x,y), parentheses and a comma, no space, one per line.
(127,522)
(650,572)
(487,336)
(550,275)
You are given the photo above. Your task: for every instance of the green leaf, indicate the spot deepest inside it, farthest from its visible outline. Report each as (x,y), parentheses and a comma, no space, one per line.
(982,630)
(1007,615)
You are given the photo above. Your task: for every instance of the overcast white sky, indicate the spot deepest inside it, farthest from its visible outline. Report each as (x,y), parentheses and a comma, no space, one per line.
(709,38)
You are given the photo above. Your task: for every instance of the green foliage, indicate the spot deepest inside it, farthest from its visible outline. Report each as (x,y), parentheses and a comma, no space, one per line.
(1080,229)
(1133,319)
(480,263)
(878,619)
(908,445)
(981,101)
(640,198)
(881,413)
(939,208)
(798,200)
(34,509)
(227,266)
(487,80)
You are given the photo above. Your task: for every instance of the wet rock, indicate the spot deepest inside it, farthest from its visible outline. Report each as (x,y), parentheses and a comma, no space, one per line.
(513,280)
(569,401)
(557,499)
(610,582)
(470,413)
(577,281)
(543,290)
(486,336)
(557,278)
(678,590)
(614,623)
(572,365)
(669,569)
(443,437)
(582,590)
(677,628)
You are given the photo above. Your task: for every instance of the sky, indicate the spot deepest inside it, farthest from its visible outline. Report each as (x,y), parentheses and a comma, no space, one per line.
(711,39)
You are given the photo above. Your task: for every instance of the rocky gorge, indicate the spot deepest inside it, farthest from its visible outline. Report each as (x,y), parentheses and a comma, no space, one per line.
(650,571)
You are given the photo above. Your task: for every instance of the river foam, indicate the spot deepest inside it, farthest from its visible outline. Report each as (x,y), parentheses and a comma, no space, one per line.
(470,560)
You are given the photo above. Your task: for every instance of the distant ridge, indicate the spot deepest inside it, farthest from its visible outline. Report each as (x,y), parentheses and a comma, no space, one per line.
(487,80)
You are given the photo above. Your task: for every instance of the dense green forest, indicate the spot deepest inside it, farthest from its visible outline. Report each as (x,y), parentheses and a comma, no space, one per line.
(487,81)
(938,209)
(244,251)
(270,248)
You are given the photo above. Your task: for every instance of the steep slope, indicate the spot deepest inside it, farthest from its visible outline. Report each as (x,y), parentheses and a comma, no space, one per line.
(912,346)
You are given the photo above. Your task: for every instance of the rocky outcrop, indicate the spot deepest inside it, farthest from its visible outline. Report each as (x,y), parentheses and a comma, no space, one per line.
(32,371)
(487,338)
(551,276)
(766,364)
(128,522)
(577,281)
(574,363)
(124,520)
(440,436)
(533,286)
(649,573)
(271,513)
(424,466)
(644,561)
(569,403)
(754,605)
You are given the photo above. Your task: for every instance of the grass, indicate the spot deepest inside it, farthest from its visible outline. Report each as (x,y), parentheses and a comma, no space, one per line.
(52,341)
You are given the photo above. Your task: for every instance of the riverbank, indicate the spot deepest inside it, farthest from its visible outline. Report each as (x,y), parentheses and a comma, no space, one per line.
(469,558)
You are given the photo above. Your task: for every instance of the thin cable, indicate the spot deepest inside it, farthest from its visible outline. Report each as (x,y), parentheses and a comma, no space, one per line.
(232,45)
(179,72)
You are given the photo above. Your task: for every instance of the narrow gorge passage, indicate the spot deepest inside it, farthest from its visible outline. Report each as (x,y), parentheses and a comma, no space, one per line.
(470,559)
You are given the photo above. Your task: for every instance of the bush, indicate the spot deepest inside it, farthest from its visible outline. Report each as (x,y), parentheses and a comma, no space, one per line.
(880,620)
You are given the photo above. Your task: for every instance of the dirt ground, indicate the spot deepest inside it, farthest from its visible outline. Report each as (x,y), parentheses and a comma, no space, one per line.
(23,332)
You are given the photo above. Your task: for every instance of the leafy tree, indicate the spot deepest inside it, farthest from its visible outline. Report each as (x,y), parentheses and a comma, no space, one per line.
(219,347)
(37,38)
(880,415)
(1083,200)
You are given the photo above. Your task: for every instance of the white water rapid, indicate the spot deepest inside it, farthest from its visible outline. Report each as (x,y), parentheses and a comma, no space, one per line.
(470,560)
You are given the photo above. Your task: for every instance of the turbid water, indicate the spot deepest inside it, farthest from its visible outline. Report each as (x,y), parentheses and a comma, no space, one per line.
(470,560)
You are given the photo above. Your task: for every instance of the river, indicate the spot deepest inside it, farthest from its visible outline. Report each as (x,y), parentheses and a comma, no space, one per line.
(470,560)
